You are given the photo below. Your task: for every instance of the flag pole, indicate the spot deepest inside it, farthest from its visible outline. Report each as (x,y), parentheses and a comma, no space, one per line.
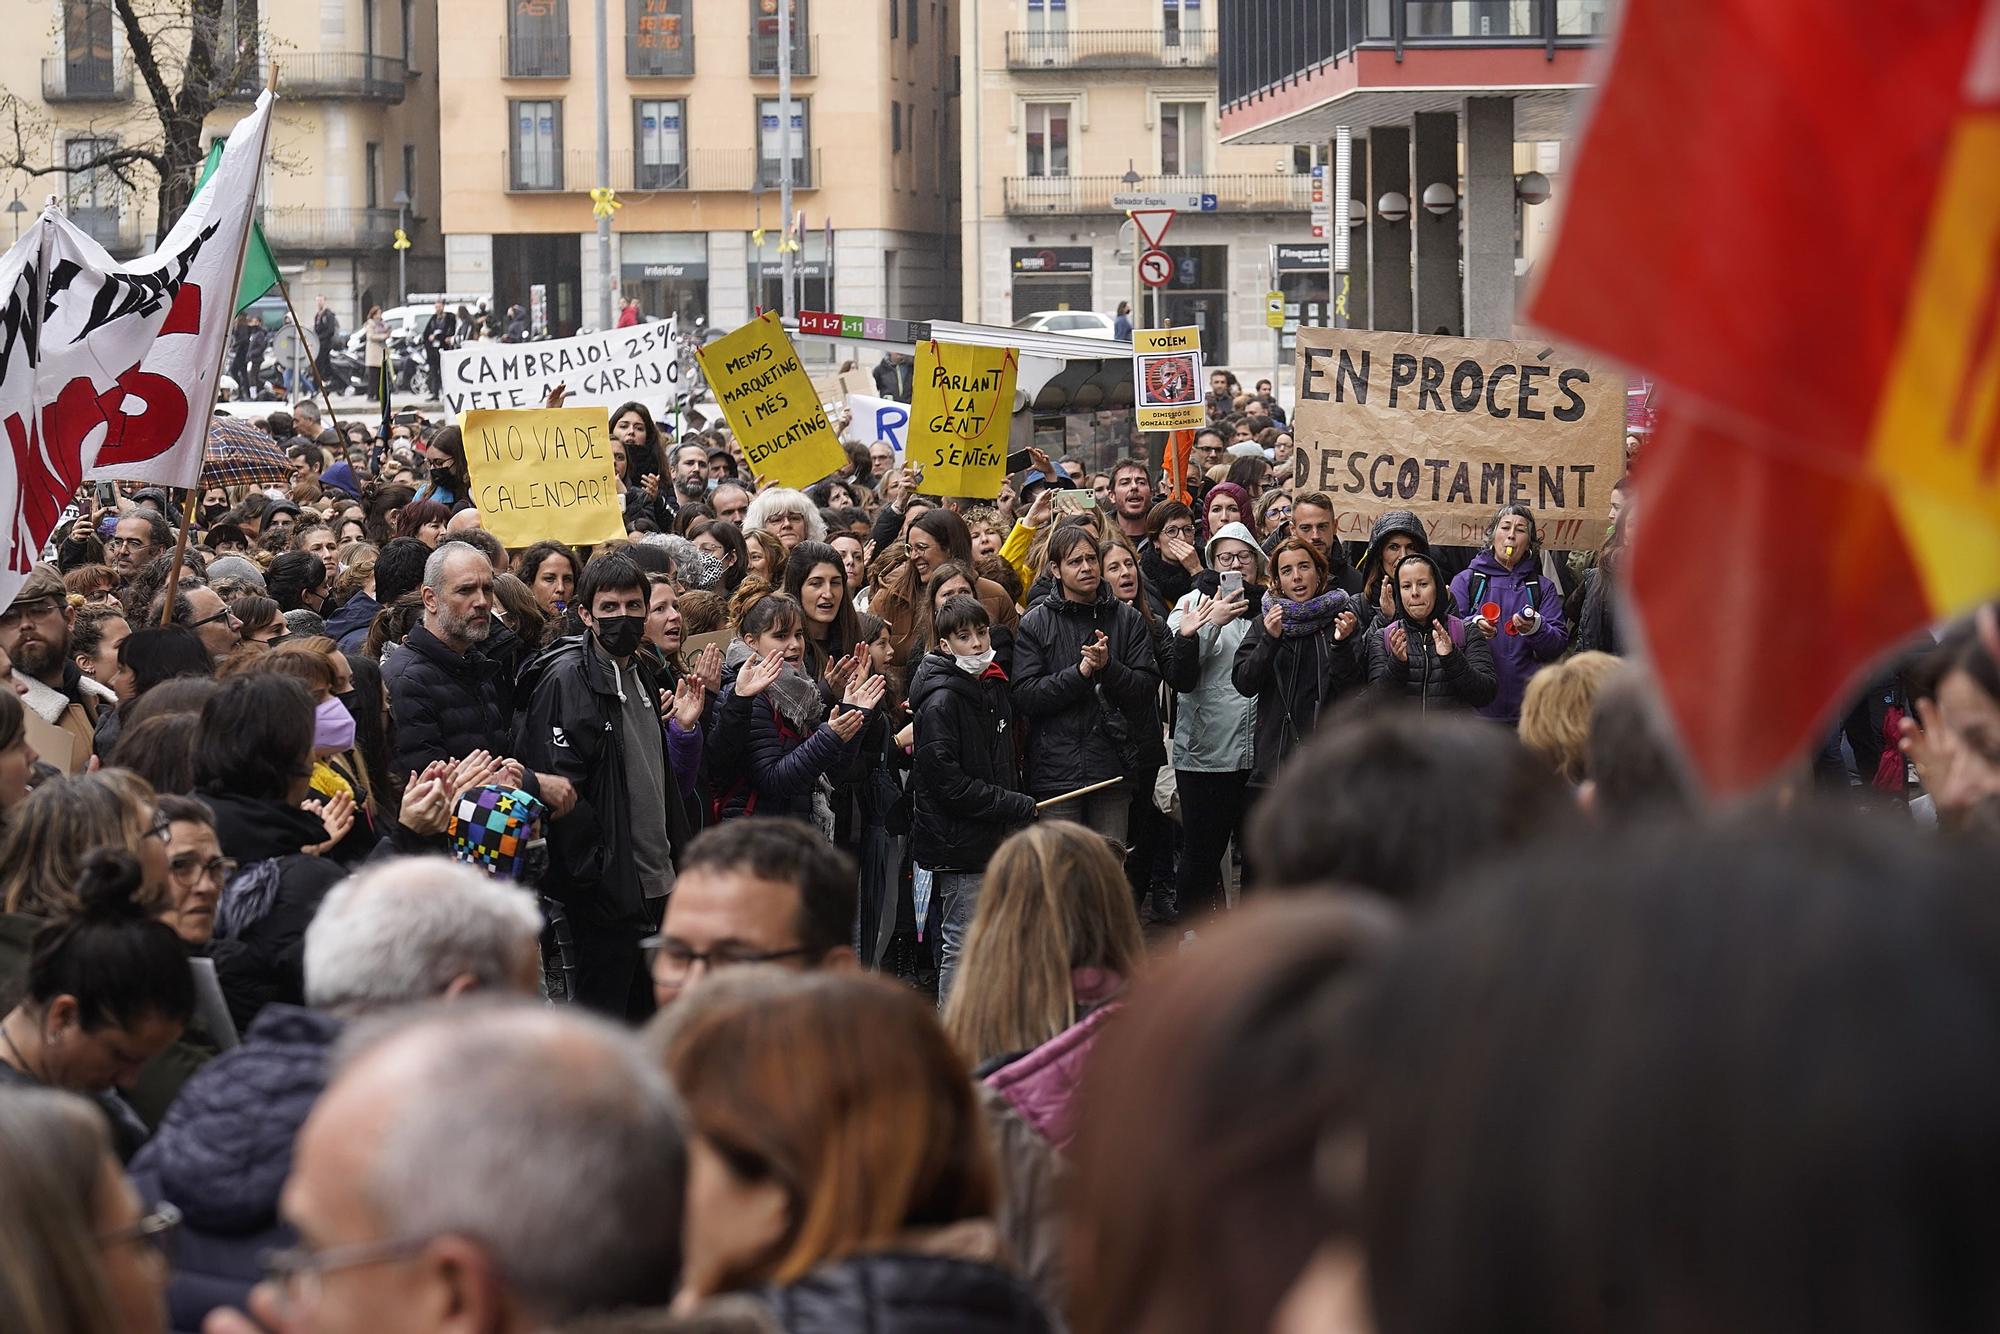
(285,290)
(173,585)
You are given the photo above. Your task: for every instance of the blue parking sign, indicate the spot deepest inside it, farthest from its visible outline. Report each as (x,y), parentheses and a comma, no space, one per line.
(1208,204)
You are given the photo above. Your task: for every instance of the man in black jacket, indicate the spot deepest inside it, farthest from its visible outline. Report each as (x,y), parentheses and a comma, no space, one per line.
(967,783)
(592,715)
(326,332)
(892,376)
(1084,670)
(440,331)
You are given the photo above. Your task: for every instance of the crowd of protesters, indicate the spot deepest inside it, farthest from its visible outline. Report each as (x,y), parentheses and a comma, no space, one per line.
(1121,904)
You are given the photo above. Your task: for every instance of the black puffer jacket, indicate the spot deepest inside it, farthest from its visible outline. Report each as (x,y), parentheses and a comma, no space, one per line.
(900,1293)
(1294,681)
(445,705)
(765,766)
(1464,678)
(1077,722)
(967,786)
(265,909)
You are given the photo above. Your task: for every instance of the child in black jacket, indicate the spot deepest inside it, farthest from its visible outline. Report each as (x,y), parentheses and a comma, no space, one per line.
(967,780)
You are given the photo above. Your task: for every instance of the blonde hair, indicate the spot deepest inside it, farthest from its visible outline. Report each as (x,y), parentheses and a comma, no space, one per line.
(1053,900)
(54,1152)
(1555,711)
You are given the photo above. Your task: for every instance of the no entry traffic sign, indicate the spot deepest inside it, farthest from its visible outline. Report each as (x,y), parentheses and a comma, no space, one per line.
(1155,268)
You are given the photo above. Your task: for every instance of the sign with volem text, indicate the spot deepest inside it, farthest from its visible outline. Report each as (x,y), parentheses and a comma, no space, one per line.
(1166,379)
(1453,428)
(962,406)
(600,369)
(770,402)
(543,473)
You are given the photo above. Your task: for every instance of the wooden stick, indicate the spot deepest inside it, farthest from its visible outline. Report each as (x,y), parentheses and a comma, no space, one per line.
(1080,792)
(180,553)
(285,290)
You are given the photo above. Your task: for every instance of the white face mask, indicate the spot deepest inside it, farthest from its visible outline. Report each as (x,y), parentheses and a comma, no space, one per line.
(973,663)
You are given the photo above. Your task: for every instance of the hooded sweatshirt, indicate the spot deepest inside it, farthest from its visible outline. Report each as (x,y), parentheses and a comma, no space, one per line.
(1516,658)
(1215,728)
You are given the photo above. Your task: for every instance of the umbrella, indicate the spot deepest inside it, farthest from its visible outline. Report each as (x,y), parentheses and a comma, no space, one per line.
(242,454)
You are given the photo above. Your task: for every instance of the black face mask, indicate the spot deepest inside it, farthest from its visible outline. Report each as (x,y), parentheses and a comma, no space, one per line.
(620,635)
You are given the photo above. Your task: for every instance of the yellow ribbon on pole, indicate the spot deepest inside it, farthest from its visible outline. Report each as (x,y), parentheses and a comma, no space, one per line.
(402,241)
(604,201)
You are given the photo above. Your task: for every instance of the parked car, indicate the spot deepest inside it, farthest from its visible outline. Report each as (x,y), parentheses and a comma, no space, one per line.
(1078,323)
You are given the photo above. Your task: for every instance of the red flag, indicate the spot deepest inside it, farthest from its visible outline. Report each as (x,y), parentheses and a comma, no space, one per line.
(1791,218)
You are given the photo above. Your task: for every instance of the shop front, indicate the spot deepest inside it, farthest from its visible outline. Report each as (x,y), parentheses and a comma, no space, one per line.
(1049,278)
(1303,276)
(668,272)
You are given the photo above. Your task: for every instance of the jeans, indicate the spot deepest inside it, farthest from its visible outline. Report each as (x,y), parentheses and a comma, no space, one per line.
(1107,812)
(1212,807)
(957,895)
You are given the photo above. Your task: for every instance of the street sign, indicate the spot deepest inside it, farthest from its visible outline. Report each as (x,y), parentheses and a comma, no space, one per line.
(1184,203)
(1152,224)
(1209,204)
(1274,310)
(1156,268)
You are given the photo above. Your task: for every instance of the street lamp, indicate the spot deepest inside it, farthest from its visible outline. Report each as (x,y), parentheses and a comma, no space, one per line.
(402,203)
(1130,180)
(16,208)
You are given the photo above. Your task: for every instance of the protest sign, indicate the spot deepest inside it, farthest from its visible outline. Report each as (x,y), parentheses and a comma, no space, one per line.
(544,473)
(1453,428)
(56,746)
(770,402)
(1166,379)
(601,370)
(961,410)
(870,419)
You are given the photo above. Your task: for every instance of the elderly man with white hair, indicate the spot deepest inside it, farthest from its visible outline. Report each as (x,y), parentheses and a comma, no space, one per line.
(788,515)
(503,1169)
(402,932)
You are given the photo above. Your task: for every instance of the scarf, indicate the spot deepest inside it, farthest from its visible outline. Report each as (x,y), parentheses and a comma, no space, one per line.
(1314,614)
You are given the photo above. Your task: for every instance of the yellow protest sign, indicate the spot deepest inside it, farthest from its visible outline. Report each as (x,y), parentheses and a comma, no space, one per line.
(1166,379)
(771,404)
(962,406)
(541,473)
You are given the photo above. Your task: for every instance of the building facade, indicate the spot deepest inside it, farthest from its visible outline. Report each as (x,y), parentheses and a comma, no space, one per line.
(1076,105)
(355,126)
(696,148)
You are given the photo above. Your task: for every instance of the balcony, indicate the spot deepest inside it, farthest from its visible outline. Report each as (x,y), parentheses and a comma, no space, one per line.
(764,56)
(328,231)
(523,57)
(1111,48)
(113,227)
(659,55)
(1077,196)
(87,79)
(719,170)
(342,76)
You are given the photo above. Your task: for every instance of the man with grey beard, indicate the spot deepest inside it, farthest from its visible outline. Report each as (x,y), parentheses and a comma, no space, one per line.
(447,697)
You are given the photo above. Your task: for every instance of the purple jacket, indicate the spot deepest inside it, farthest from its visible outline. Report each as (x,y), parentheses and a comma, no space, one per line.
(1042,1085)
(1516,658)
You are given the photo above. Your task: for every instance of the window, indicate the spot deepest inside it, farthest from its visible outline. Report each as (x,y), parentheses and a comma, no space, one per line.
(372,184)
(368,27)
(771,143)
(937,142)
(87,50)
(1182,138)
(538,39)
(535,146)
(660,135)
(1048,138)
(659,38)
(410,174)
(93,197)
(1178,17)
(764,38)
(909,23)
(1048,25)
(895,22)
(409,32)
(895,127)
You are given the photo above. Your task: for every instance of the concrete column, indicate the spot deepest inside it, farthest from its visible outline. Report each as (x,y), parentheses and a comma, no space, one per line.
(1434,158)
(1357,238)
(1489,217)
(1389,242)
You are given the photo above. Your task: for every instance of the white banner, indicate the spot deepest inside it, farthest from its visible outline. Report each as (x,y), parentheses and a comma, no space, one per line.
(116,378)
(871,419)
(601,369)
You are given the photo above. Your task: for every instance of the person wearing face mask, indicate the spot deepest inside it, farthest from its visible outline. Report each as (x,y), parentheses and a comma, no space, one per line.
(597,714)
(967,783)
(1424,653)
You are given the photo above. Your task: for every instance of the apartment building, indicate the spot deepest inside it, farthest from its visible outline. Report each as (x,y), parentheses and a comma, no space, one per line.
(355,129)
(1076,102)
(696,152)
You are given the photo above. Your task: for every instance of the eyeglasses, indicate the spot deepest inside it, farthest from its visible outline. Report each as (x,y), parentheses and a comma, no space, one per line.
(673,960)
(14,614)
(162,828)
(156,1229)
(1231,558)
(127,544)
(1182,530)
(188,867)
(296,1272)
(224,614)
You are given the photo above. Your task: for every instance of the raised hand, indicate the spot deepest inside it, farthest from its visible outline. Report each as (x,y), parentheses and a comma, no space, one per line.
(685,707)
(1399,642)
(650,484)
(1095,654)
(1229,606)
(757,674)
(1344,626)
(1040,508)
(557,395)
(1179,551)
(1486,628)
(1386,601)
(847,725)
(426,805)
(865,693)
(1441,638)
(1196,616)
(1274,619)
(707,668)
(337,814)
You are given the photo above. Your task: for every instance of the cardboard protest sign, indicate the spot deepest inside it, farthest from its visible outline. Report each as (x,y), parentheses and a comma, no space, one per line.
(870,419)
(52,743)
(601,370)
(1166,379)
(771,404)
(961,410)
(1453,428)
(544,473)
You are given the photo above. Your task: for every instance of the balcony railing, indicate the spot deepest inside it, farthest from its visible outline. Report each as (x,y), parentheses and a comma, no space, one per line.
(1069,196)
(660,55)
(342,76)
(574,171)
(1110,48)
(330,230)
(67,79)
(113,227)
(764,56)
(1262,50)
(523,57)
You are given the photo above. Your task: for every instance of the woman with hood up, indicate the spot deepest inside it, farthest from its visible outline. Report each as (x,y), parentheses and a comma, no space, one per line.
(1527,629)
(1425,653)
(1391,537)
